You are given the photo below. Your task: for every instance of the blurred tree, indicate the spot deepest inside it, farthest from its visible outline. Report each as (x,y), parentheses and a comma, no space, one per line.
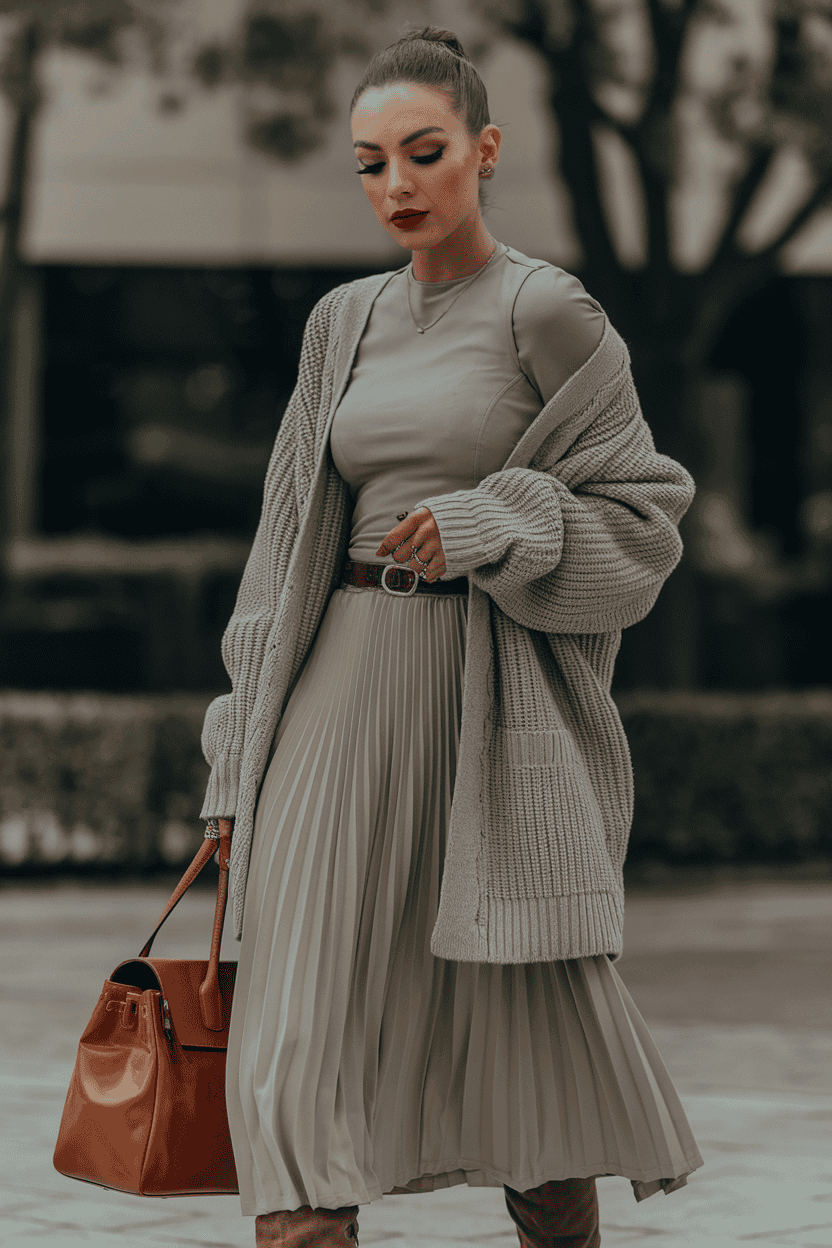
(633,88)
(716,117)
(686,97)
(113,32)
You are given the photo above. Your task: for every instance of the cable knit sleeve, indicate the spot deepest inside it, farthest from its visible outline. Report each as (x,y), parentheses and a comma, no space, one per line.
(581,541)
(244,641)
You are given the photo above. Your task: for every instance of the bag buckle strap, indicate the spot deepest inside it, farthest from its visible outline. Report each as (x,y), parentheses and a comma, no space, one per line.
(130,1009)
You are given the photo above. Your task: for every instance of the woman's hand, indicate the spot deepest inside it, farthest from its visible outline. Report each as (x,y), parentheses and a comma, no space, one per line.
(416,530)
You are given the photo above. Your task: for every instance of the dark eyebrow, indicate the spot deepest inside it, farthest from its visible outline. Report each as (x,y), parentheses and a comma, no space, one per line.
(417,134)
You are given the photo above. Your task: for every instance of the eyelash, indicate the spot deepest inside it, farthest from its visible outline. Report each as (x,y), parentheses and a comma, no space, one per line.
(420,160)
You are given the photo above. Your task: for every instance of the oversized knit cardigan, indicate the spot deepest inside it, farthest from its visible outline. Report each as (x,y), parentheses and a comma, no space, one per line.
(566,545)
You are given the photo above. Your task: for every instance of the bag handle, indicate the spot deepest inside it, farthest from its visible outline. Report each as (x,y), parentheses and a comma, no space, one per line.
(210,997)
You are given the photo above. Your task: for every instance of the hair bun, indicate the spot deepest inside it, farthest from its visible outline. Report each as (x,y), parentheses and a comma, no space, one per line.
(431,34)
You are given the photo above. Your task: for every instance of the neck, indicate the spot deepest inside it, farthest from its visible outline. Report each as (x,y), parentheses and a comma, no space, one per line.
(459,255)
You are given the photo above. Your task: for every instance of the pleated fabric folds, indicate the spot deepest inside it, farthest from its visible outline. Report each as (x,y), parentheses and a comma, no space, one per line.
(358,1063)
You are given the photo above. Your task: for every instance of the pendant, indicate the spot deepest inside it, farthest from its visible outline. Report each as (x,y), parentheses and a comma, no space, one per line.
(421,331)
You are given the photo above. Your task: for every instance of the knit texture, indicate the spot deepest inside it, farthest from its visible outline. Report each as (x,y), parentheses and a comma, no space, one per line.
(569,543)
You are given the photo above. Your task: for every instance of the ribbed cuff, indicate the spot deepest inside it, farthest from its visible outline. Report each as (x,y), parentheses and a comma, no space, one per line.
(221,794)
(469,535)
(542,929)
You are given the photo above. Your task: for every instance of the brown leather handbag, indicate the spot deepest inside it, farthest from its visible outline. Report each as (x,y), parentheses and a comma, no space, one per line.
(145,1112)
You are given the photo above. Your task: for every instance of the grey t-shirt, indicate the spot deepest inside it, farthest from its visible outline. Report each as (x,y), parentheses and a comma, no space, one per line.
(436,412)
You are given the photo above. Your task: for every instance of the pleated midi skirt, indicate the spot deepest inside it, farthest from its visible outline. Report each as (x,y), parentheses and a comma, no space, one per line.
(358,1063)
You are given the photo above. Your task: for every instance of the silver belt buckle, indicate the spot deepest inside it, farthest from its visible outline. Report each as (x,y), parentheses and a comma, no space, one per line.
(399,593)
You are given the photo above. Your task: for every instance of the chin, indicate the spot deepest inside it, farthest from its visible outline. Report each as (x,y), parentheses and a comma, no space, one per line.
(405,241)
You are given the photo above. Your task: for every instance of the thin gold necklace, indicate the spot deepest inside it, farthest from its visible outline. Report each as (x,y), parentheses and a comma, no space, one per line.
(421,328)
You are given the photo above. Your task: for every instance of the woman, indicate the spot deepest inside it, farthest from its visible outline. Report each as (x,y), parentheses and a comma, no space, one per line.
(462,486)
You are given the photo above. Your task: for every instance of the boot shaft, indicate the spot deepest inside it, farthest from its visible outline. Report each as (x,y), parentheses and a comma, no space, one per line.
(559,1214)
(308,1228)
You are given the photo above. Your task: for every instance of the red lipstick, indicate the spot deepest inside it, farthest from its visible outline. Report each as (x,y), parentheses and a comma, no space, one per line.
(410,222)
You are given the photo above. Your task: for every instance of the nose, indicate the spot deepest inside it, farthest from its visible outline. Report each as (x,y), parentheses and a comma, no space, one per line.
(400,177)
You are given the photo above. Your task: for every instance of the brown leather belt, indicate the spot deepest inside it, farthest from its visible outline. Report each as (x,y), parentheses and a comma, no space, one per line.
(398,580)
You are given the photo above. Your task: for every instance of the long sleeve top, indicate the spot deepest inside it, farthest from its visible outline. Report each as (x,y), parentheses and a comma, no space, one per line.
(433,413)
(564,545)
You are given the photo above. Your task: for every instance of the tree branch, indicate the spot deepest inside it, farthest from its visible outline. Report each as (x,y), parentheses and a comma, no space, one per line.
(575,109)
(746,188)
(579,165)
(723,286)
(669,28)
(655,202)
(818,198)
(531,28)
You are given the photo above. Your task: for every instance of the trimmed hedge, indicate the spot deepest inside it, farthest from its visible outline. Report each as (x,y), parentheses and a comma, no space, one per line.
(97,780)
(109,783)
(730,777)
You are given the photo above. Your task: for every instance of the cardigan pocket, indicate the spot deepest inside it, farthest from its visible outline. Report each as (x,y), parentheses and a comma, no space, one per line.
(554,841)
(551,747)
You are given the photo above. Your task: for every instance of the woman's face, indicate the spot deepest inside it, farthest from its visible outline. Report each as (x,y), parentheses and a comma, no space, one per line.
(436,172)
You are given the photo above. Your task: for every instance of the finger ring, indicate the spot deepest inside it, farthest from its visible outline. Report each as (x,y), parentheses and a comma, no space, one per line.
(424,562)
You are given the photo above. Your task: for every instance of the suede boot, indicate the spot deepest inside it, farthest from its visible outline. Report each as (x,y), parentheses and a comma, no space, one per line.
(560,1214)
(308,1228)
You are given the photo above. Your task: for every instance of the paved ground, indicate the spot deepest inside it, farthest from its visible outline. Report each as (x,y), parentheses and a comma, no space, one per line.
(734,981)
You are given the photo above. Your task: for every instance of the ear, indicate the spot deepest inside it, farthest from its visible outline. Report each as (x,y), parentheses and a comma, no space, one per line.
(489,143)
